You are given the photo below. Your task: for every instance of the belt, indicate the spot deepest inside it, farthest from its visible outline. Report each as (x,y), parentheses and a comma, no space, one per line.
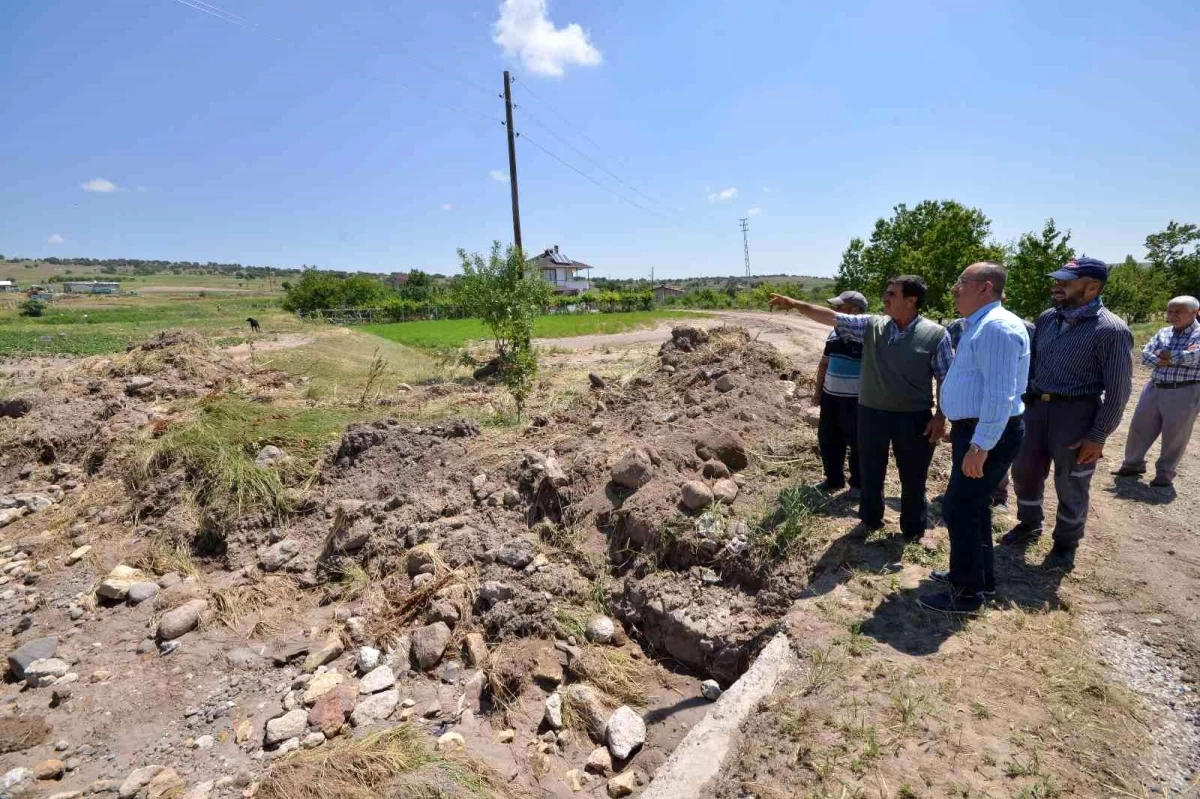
(1038,396)
(1179,384)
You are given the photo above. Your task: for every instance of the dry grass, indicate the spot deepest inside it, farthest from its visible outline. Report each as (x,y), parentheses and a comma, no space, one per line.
(254,610)
(614,672)
(393,607)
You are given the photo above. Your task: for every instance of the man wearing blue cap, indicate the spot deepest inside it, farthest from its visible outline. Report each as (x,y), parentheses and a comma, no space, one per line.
(836,394)
(1080,381)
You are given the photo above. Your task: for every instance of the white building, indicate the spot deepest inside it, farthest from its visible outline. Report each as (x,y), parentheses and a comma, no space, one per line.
(561,272)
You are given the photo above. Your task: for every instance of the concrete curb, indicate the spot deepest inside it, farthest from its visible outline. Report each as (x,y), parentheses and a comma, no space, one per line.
(700,755)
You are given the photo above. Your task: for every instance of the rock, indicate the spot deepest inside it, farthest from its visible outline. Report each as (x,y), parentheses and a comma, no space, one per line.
(726,383)
(626,732)
(710,690)
(320,685)
(494,591)
(46,671)
(243,657)
(378,679)
(725,491)
(596,380)
(139,592)
(574,779)
(181,620)
(14,408)
(554,711)
(477,651)
(331,710)
(116,585)
(443,610)
(723,445)
(36,502)
(506,736)
(244,730)
(517,553)
(715,470)
(374,708)
(451,742)
(478,483)
(599,762)
(433,710)
(49,770)
(633,470)
(601,630)
(451,672)
(555,474)
(312,740)
(167,783)
(285,748)
(203,742)
(8,516)
(623,784)
(289,725)
(268,456)
(696,495)
(37,649)
(201,790)
(137,780)
(137,384)
(169,580)
(429,644)
(547,668)
(367,659)
(421,580)
(276,556)
(327,650)
(79,554)
(586,703)
(16,782)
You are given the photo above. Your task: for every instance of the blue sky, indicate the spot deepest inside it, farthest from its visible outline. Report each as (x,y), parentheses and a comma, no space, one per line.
(310,131)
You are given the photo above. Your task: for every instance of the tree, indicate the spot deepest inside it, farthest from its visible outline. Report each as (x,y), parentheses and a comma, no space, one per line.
(498,292)
(1136,292)
(317,290)
(1167,251)
(1030,261)
(934,239)
(32,307)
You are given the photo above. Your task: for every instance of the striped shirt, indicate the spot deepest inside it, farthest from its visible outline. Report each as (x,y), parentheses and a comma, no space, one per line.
(1185,354)
(989,373)
(853,327)
(1085,352)
(955,330)
(844,372)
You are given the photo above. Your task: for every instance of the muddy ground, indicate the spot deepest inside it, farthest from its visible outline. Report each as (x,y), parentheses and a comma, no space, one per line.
(637,534)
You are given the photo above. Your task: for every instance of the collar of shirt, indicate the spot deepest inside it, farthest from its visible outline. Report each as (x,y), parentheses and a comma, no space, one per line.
(897,333)
(1187,331)
(1074,315)
(977,317)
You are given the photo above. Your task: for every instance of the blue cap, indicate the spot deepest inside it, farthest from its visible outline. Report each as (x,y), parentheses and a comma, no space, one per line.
(1082,267)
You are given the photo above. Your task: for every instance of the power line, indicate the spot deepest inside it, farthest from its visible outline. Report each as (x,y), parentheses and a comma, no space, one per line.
(550,107)
(215,12)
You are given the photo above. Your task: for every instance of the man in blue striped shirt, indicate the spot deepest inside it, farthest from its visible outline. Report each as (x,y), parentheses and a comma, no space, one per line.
(1171,398)
(1081,380)
(836,394)
(982,397)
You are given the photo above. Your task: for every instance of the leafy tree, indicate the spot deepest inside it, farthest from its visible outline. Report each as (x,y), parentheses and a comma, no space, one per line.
(1030,260)
(32,307)
(934,239)
(497,291)
(1167,250)
(316,290)
(1136,292)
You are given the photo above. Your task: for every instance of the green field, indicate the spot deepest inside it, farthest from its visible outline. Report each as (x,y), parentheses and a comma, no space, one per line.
(27,273)
(444,334)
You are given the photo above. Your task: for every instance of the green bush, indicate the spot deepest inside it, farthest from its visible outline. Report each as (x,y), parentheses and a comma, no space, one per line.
(32,307)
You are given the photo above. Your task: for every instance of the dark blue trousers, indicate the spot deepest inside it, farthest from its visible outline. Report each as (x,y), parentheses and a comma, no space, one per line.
(967,509)
(905,433)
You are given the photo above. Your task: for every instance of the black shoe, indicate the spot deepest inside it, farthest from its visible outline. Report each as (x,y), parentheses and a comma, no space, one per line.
(853,493)
(953,602)
(1128,471)
(1020,536)
(826,488)
(940,576)
(1061,559)
(909,538)
(1157,483)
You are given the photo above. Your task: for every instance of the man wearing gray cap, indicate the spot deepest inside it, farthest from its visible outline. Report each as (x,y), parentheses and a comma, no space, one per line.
(1079,383)
(837,395)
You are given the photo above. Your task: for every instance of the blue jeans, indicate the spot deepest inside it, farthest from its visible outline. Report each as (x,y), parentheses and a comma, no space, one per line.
(967,509)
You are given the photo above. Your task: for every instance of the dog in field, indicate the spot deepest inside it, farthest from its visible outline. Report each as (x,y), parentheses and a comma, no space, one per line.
(253,324)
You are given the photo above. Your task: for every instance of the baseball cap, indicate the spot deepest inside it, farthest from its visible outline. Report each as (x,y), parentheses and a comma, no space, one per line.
(1082,267)
(849,298)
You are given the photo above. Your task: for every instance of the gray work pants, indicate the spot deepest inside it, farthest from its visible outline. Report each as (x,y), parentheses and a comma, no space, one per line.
(1051,427)
(1169,412)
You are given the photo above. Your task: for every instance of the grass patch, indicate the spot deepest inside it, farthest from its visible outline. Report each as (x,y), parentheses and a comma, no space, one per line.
(444,334)
(614,672)
(788,526)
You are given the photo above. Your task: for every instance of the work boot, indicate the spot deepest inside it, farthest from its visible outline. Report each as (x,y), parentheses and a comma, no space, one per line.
(1161,482)
(943,576)
(1129,471)
(953,601)
(1060,559)
(1021,536)
(826,487)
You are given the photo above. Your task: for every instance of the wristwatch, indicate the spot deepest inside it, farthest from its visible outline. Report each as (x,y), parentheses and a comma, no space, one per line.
(976,448)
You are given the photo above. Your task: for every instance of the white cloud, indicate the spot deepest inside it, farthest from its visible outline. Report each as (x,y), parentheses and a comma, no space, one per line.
(722,195)
(754,212)
(55,239)
(447,206)
(99,184)
(524,30)
(498,176)
(766,189)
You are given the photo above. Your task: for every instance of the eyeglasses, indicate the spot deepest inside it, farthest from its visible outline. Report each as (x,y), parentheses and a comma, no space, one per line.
(964,280)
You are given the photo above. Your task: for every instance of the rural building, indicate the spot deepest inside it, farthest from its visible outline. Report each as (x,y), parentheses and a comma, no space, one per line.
(398,279)
(561,272)
(91,287)
(7,285)
(663,292)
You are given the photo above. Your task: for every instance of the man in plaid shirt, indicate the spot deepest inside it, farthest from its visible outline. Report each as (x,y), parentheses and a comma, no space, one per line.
(1171,397)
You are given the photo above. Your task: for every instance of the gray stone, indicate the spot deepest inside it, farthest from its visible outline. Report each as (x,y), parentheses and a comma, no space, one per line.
(17,782)
(590,708)
(599,762)
(554,711)
(429,644)
(367,659)
(268,456)
(517,553)
(289,725)
(78,554)
(375,707)
(445,611)
(326,651)
(696,495)
(138,384)
(626,732)
(623,784)
(725,491)
(726,383)
(243,657)
(477,651)
(34,502)
(378,679)
(8,516)
(494,591)
(37,649)
(555,474)
(275,557)
(601,630)
(137,780)
(118,582)
(46,671)
(181,620)
(710,690)
(141,591)
(633,470)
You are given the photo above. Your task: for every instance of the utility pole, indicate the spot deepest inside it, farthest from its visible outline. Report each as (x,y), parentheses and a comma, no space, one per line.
(512,167)
(745,241)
